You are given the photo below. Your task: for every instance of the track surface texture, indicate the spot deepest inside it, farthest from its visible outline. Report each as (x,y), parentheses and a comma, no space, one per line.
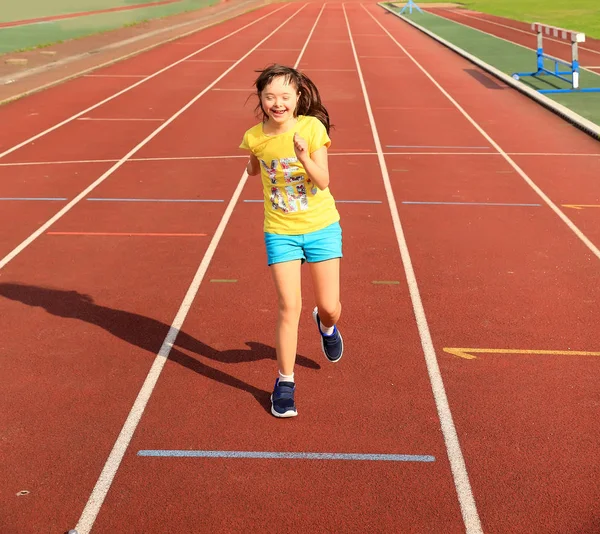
(138,312)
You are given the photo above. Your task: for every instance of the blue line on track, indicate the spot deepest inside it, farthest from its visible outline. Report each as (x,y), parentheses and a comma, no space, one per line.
(469,204)
(288,455)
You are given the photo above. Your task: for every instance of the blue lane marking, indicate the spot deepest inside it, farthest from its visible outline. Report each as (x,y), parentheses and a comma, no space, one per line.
(428,146)
(32,198)
(337,201)
(289,455)
(152,200)
(471,203)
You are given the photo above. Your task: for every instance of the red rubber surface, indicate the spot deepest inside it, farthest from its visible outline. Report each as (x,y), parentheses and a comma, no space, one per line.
(490,276)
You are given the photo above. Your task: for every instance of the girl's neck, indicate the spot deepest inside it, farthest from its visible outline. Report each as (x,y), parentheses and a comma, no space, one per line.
(272,128)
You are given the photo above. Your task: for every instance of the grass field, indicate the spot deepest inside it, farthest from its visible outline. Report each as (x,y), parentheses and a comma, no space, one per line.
(580,15)
(40,35)
(29,9)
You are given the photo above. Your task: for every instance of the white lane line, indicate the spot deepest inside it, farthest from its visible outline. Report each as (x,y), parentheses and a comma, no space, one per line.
(209,60)
(238,156)
(570,224)
(116,75)
(117,119)
(113,462)
(144,80)
(455,456)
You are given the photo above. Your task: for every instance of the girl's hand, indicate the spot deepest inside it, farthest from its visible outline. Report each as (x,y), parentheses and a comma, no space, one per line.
(300,147)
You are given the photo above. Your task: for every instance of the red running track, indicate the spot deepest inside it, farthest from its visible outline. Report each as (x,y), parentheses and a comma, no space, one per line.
(485,262)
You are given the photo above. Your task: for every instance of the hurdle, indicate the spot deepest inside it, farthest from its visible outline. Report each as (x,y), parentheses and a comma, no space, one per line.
(410,5)
(571,75)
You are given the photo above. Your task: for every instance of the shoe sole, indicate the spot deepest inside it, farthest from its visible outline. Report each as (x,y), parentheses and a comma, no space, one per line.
(323,342)
(289,413)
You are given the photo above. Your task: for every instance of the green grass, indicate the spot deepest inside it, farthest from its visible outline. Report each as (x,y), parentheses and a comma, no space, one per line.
(35,35)
(579,15)
(28,9)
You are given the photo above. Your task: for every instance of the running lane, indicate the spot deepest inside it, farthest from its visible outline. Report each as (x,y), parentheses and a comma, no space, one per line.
(499,270)
(214,390)
(84,315)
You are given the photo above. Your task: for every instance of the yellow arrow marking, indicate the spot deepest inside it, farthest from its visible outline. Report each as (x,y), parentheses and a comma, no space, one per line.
(581,206)
(467,354)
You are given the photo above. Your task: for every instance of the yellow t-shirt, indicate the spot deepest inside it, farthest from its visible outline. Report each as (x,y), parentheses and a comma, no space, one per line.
(293,204)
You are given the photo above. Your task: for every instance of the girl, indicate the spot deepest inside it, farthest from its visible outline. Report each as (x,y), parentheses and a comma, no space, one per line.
(289,149)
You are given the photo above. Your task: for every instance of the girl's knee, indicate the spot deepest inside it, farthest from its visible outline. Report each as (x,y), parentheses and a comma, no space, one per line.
(290,310)
(330,312)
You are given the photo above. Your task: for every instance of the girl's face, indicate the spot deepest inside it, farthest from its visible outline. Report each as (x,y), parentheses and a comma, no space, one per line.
(279,100)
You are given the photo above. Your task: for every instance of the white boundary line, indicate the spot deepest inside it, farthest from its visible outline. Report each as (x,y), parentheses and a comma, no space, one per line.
(117,119)
(238,156)
(115,75)
(113,462)
(455,456)
(112,97)
(570,224)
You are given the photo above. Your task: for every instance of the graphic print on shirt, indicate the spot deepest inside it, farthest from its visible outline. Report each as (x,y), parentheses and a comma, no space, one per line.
(297,199)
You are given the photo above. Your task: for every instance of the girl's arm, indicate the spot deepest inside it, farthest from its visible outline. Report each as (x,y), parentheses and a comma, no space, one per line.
(315,164)
(253,167)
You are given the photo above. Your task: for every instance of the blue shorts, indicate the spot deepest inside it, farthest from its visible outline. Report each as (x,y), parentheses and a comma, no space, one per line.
(322,245)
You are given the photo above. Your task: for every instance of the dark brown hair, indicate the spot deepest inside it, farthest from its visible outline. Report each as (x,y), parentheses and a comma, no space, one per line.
(309,102)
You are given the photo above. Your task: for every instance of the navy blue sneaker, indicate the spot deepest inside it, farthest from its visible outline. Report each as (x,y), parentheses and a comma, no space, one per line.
(333,345)
(282,399)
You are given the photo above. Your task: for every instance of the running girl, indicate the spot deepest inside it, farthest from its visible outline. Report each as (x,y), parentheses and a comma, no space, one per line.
(301,223)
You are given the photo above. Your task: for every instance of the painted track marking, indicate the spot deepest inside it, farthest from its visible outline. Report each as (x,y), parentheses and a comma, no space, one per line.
(118,119)
(467,354)
(432,203)
(342,153)
(111,466)
(455,456)
(126,234)
(289,455)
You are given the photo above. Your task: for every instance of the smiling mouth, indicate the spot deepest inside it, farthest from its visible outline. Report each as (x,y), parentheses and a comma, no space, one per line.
(278,113)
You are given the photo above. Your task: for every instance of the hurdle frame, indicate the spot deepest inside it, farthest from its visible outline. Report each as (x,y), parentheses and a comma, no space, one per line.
(410,5)
(570,76)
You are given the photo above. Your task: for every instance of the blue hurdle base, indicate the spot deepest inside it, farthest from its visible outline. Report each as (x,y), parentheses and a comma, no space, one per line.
(585,90)
(518,75)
